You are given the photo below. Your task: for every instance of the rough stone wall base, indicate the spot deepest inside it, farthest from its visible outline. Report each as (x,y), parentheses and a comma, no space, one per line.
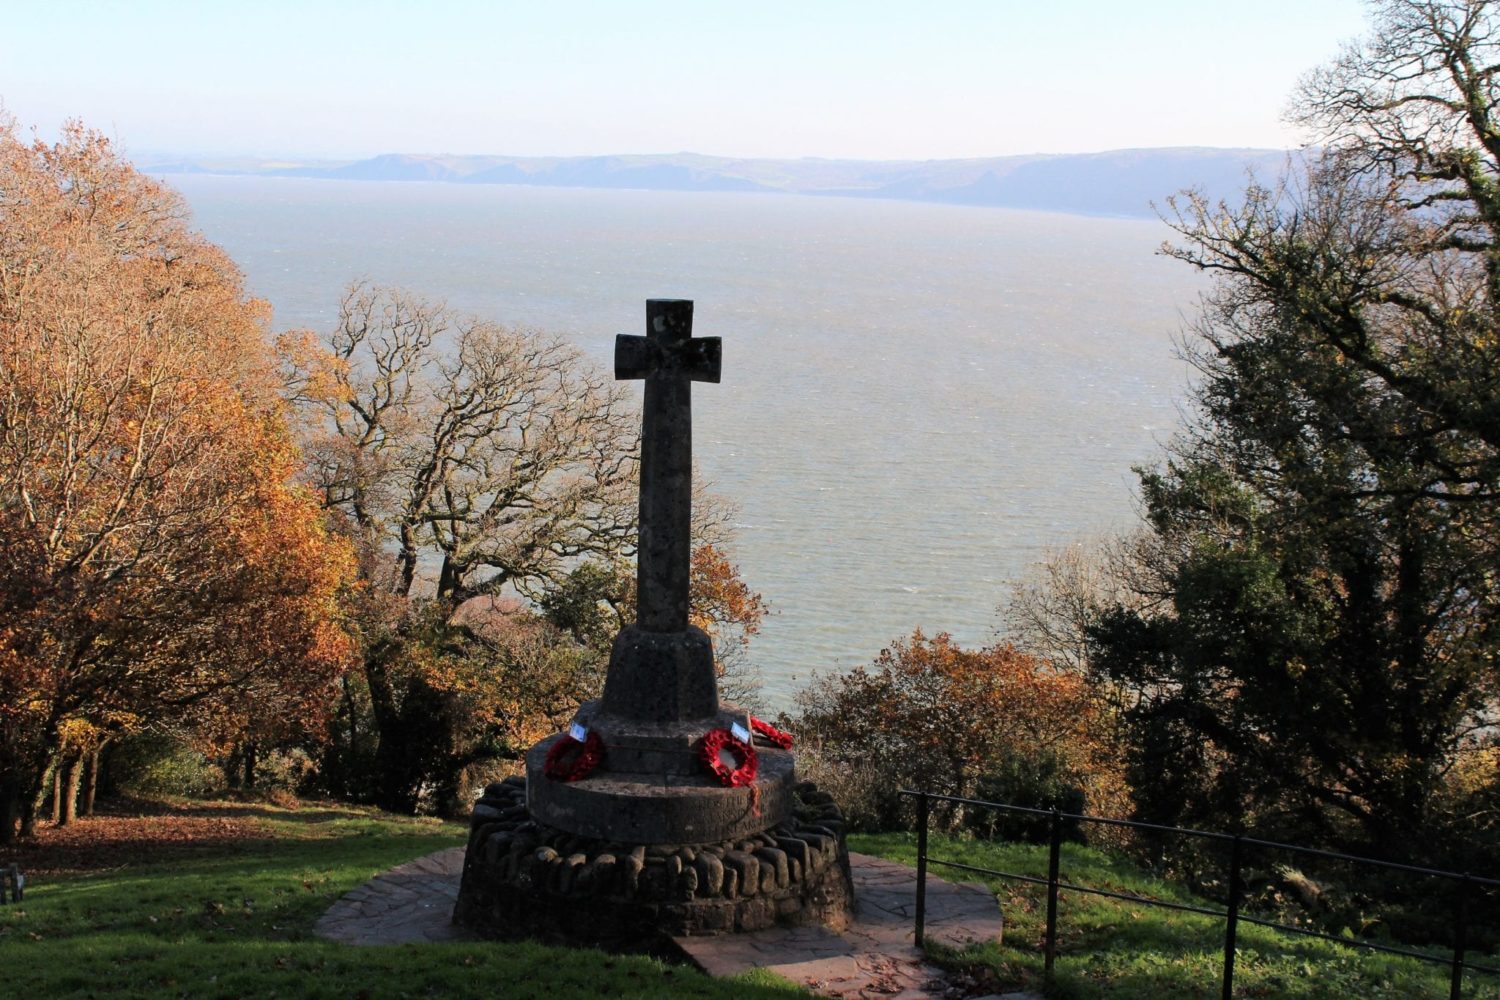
(522,878)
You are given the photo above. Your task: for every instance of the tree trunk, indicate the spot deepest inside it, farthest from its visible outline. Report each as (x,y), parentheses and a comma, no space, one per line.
(234,768)
(23,788)
(249,762)
(448,580)
(352,709)
(91,781)
(28,818)
(57,779)
(391,758)
(109,783)
(72,771)
(10,810)
(28,784)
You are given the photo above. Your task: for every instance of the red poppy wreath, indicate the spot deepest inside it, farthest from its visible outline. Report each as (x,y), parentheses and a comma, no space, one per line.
(717,744)
(775,736)
(570,760)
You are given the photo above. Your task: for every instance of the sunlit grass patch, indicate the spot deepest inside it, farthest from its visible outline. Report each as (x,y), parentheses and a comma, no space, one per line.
(1131,951)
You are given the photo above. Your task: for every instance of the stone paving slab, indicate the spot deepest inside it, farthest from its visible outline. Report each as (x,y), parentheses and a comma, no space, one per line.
(411,902)
(874,957)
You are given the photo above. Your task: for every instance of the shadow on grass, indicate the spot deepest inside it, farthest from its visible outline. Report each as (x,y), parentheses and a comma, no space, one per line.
(133,833)
(322,812)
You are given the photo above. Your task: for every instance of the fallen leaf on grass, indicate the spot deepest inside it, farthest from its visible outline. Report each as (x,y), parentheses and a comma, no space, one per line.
(110,842)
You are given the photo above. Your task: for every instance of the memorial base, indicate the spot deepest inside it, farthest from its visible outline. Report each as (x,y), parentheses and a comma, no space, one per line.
(523,878)
(652,787)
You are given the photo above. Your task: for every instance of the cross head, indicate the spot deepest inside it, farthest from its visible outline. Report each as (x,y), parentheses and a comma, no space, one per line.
(670,359)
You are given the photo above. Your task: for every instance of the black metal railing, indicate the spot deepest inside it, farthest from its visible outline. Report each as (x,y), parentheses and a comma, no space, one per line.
(1466,885)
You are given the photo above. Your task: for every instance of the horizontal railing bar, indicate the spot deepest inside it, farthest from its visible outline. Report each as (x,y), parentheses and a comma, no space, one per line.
(987,871)
(1358,859)
(1207,834)
(1134,824)
(1079,888)
(976,802)
(1147,900)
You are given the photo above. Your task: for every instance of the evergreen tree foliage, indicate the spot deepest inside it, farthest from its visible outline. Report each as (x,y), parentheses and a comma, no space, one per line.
(1317,650)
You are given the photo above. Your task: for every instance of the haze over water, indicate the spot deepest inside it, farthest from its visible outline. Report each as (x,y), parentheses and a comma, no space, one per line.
(917,399)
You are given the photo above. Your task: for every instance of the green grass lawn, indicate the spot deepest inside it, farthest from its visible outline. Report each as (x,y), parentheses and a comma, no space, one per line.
(233,917)
(219,900)
(1126,951)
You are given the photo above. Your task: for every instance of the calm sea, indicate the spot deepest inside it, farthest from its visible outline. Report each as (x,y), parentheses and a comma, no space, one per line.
(917,400)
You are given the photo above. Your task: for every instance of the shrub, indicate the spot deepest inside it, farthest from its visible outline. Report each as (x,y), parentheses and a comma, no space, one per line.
(867,796)
(933,716)
(162,763)
(1036,782)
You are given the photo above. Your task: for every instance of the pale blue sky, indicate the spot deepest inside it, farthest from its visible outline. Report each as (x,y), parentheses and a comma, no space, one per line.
(870,79)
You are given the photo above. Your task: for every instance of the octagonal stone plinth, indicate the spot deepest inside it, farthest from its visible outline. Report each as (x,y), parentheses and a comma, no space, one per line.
(656,808)
(636,747)
(661,677)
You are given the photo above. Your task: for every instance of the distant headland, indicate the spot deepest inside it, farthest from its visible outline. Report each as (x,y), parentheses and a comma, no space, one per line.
(1124,182)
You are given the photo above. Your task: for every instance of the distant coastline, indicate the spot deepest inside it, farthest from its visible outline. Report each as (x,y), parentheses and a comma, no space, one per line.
(1125,182)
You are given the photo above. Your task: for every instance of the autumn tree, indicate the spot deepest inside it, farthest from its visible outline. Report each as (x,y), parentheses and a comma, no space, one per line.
(931,715)
(489,457)
(473,464)
(1050,609)
(1330,523)
(154,556)
(442,693)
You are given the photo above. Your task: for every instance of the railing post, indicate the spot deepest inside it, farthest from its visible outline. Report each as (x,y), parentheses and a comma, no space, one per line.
(921,866)
(1232,918)
(1460,937)
(1054,853)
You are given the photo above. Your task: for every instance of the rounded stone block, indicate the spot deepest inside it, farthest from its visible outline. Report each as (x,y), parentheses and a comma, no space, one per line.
(550,883)
(660,808)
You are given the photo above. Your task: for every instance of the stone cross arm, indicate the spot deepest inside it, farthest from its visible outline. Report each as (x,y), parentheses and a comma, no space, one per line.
(668,349)
(670,359)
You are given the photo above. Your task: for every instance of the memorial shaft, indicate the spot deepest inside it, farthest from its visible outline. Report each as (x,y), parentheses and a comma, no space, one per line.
(665,560)
(670,360)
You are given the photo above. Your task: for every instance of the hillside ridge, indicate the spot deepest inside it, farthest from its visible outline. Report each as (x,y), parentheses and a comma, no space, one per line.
(1121,182)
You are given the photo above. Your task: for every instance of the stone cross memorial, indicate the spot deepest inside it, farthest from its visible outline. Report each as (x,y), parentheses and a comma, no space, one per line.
(657,812)
(662,668)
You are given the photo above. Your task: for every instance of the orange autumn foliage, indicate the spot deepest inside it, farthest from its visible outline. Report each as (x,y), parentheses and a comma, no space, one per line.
(719,601)
(931,715)
(154,555)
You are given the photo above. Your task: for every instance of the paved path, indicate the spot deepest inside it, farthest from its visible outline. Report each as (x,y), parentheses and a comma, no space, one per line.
(874,957)
(411,902)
